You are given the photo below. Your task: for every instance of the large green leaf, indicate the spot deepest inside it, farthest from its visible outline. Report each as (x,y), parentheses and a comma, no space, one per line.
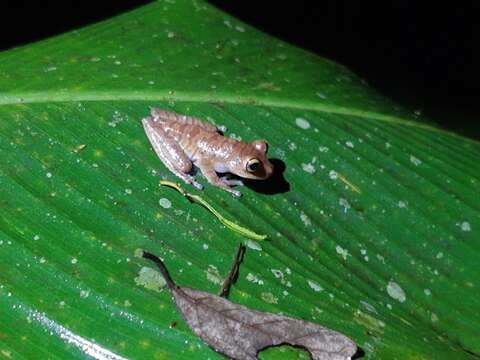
(377,235)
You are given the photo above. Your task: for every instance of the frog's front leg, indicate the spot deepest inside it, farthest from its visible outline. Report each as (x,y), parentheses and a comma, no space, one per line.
(209,172)
(169,151)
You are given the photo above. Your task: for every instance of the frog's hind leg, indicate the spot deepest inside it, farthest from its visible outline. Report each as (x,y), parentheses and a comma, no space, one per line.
(169,116)
(171,154)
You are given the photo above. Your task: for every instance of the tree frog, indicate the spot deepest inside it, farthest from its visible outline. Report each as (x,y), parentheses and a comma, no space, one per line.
(184,143)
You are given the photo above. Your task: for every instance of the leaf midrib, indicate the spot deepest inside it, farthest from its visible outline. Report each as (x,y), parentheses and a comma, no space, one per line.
(167,96)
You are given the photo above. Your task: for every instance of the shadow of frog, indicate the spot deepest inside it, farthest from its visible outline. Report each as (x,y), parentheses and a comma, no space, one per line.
(275,184)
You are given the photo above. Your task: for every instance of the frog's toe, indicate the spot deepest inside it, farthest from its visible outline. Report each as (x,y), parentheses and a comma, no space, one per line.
(197,185)
(236,193)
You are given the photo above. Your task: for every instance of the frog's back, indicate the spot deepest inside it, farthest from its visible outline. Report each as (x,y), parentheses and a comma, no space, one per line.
(170,117)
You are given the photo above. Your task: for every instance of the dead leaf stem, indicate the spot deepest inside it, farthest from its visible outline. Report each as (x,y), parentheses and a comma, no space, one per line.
(161,266)
(232,274)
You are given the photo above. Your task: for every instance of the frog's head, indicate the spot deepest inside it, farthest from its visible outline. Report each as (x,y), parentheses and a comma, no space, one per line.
(255,164)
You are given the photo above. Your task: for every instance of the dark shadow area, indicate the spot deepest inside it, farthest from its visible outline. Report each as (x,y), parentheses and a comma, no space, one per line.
(422,55)
(275,184)
(471,352)
(359,354)
(23,21)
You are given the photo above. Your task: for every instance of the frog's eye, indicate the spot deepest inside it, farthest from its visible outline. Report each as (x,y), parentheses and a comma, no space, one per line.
(252,165)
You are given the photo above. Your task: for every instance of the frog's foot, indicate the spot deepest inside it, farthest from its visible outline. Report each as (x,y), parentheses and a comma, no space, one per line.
(228,180)
(235,193)
(197,185)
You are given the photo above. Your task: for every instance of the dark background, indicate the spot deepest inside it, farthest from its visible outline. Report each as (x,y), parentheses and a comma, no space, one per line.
(423,55)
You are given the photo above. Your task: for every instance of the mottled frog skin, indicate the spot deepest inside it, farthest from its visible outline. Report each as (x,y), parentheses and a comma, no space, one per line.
(184,142)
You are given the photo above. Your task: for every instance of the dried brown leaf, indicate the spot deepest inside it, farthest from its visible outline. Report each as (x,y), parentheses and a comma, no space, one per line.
(240,332)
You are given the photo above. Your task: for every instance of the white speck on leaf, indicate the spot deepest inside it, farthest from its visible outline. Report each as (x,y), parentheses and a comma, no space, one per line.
(253,278)
(74,261)
(235,137)
(402,204)
(277,273)
(396,292)
(269,298)
(333,174)
(309,168)
(427,292)
(48,175)
(315,287)
(344,203)
(254,245)
(305,219)
(165,203)
(36,237)
(465,226)
(128,191)
(342,252)
(415,161)
(222,128)
(349,144)
(381,258)
(116,117)
(302,123)
(323,149)
(138,253)
(213,275)
(368,307)
(150,279)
